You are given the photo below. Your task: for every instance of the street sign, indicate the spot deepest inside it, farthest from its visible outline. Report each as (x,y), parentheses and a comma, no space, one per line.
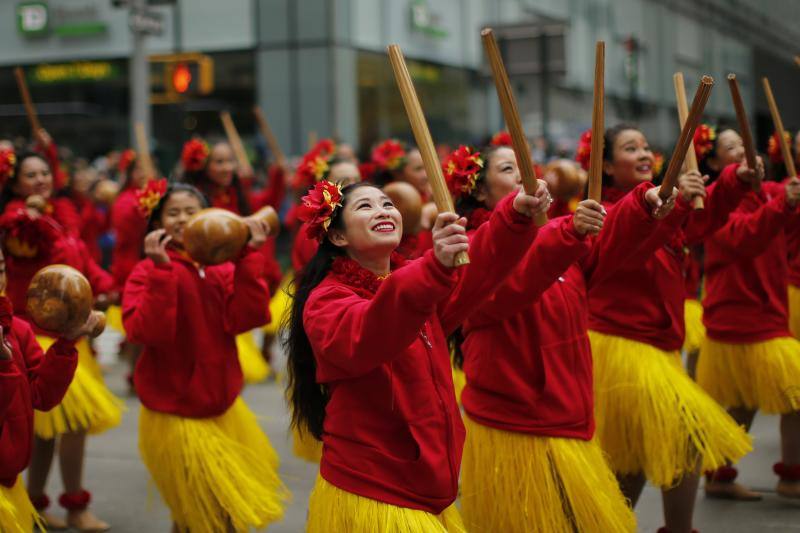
(146,22)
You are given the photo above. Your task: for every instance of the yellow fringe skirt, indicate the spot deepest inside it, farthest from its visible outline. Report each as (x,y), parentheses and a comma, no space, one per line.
(459,382)
(794,310)
(254,367)
(333,510)
(514,482)
(305,446)
(761,376)
(212,472)
(114,318)
(280,305)
(652,418)
(17,514)
(87,406)
(695,330)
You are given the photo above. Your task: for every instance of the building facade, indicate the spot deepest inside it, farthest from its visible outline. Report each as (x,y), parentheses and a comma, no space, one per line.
(318,67)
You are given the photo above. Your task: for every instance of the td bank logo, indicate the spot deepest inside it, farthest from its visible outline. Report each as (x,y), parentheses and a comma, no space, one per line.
(32,18)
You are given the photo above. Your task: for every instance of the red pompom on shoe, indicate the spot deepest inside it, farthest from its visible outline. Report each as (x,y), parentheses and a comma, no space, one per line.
(40,503)
(787,472)
(723,474)
(75,501)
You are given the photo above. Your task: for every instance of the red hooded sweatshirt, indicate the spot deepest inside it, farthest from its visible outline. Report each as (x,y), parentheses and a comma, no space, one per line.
(392,430)
(526,350)
(643,301)
(187,318)
(747,269)
(30,380)
(129,226)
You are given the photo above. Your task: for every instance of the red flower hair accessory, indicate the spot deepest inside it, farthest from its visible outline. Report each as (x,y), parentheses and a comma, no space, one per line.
(658,163)
(367,169)
(8,159)
(704,137)
(149,197)
(126,159)
(774,147)
(583,152)
(501,138)
(312,168)
(318,206)
(461,170)
(324,147)
(389,155)
(195,155)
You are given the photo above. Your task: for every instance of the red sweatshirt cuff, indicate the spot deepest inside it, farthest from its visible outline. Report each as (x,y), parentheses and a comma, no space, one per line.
(515,220)
(442,275)
(64,347)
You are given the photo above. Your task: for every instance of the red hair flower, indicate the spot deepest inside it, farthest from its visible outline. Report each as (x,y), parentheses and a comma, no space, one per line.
(318,206)
(774,147)
(8,159)
(324,147)
(583,152)
(126,159)
(704,137)
(501,138)
(658,163)
(389,155)
(149,197)
(313,168)
(461,170)
(195,155)
(367,169)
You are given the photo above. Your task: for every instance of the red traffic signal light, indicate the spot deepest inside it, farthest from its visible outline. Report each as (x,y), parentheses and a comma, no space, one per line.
(181,78)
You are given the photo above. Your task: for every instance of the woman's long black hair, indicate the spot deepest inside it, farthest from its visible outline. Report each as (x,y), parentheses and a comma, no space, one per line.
(465,205)
(200,180)
(8,194)
(307,397)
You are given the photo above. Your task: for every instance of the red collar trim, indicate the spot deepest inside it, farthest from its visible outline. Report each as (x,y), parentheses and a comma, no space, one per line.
(358,277)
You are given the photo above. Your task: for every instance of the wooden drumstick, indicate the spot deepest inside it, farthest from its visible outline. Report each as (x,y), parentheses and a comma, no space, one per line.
(236,143)
(685,137)
(22,85)
(269,136)
(776,119)
(683,112)
(744,128)
(598,126)
(433,168)
(143,151)
(513,123)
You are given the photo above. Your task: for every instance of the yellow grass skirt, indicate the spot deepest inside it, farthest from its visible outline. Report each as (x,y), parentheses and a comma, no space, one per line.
(459,382)
(212,472)
(695,330)
(760,376)
(87,406)
(17,514)
(305,446)
(114,318)
(333,510)
(514,482)
(280,305)
(794,310)
(652,418)
(254,366)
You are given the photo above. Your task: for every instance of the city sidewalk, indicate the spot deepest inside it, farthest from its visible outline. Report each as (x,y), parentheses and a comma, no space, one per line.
(119,482)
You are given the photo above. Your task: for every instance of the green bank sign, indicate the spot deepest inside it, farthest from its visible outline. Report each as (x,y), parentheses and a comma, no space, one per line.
(76,19)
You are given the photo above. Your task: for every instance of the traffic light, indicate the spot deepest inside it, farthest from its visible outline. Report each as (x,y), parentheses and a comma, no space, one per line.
(179,76)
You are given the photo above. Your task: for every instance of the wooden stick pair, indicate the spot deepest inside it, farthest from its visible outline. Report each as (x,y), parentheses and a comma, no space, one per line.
(269,136)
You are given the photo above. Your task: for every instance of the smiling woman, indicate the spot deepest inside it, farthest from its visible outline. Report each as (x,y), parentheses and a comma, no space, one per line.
(369,366)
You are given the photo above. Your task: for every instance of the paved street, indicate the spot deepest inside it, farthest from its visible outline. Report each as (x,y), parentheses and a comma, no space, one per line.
(119,481)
